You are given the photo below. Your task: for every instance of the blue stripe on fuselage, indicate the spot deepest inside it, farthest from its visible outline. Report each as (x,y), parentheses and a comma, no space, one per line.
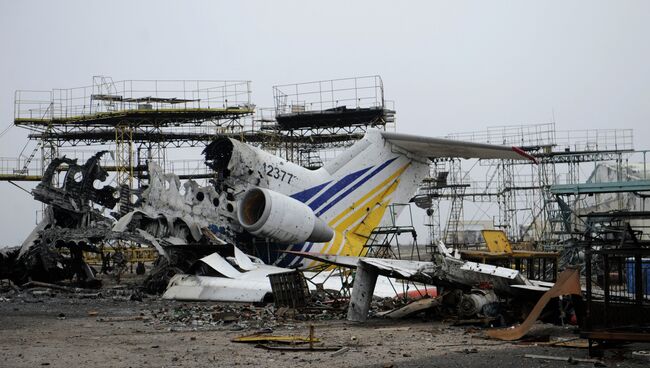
(338,186)
(355,186)
(306,194)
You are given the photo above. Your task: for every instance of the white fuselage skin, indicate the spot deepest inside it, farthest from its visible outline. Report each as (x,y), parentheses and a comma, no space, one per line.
(349,193)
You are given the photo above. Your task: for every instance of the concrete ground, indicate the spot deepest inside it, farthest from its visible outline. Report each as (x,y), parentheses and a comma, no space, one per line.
(68,330)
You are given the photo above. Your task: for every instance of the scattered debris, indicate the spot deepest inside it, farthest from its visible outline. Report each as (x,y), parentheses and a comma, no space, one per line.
(49,286)
(596,362)
(299,348)
(262,338)
(642,353)
(446,270)
(568,283)
(412,308)
(122,319)
(297,343)
(341,351)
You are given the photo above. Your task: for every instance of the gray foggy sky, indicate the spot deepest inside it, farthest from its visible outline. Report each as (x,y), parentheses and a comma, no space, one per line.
(449,66)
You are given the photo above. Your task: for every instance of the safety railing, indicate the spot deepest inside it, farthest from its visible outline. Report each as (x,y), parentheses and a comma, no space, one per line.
(19,166)
(106,96)
(351,93)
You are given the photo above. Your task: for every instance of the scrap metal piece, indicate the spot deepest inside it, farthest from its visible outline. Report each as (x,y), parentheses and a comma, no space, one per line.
(413,308)
(289,289)
(497,241)
(216,279)
(260,338)
(473,303)
(299,348)
(596,362)
(568,283)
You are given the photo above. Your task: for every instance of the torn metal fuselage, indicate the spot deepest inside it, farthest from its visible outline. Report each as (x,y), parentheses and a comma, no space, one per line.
(445,270)
(80,186)
(229,276)
(70,222)
(182,211)
(84,213)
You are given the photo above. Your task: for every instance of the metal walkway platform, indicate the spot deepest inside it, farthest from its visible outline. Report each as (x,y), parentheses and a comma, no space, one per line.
(161,117)
(598,188)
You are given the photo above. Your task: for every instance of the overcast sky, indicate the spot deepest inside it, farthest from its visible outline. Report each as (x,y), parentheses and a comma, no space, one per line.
(450,66)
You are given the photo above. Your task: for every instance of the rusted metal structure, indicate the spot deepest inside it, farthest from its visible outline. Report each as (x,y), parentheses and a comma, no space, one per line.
(617,294)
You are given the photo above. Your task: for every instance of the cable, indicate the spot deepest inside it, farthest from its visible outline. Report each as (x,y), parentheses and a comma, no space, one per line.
(6,130)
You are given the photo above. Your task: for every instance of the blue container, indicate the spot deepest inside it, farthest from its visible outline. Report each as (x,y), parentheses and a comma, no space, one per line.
(645,272)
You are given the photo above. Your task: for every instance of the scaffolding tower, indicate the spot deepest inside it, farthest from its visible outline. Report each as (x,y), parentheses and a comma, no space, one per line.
(140,120)
(327,115)
(526,208)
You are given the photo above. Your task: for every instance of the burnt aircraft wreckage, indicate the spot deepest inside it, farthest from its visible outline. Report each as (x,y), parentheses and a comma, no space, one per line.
(260,213)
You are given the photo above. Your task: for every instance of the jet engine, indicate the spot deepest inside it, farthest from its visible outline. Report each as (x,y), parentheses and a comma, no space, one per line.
(273,215)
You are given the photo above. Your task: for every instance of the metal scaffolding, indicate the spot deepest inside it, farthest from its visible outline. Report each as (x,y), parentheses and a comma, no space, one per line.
(525,207)
(327,115)
(140,120)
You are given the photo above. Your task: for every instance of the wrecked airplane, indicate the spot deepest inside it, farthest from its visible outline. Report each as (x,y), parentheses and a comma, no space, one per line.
(276,205)
(84,214)
(71,221)
(263,204)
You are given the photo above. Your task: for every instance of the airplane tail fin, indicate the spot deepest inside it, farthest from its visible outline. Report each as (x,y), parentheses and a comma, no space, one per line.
(380,169)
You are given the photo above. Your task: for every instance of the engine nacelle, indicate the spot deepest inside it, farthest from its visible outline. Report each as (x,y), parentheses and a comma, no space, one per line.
(268,214)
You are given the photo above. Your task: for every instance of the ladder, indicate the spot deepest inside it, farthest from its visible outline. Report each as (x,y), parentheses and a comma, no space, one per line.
(456,211)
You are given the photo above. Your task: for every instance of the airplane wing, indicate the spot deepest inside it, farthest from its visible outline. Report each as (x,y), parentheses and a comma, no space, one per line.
(438,147)
(343,261)
(403,269)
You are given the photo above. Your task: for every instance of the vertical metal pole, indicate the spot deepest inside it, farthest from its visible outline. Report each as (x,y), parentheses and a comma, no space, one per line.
(588,276)
(320,95)
(356,93)
(606,288)
(639,280)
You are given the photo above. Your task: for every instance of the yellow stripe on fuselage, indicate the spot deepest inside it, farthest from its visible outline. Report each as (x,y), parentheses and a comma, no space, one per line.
(370,193)
(355,239)
(340,239)
(360,211)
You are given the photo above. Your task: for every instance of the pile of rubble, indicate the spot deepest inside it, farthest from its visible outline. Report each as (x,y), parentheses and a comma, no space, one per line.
(235,317)
(253,316)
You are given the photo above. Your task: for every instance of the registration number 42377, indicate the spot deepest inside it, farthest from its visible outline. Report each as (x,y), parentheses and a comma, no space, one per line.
(277,173)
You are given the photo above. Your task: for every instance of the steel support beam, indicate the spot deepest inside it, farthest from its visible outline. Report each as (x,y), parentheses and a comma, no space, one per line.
(596,188)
